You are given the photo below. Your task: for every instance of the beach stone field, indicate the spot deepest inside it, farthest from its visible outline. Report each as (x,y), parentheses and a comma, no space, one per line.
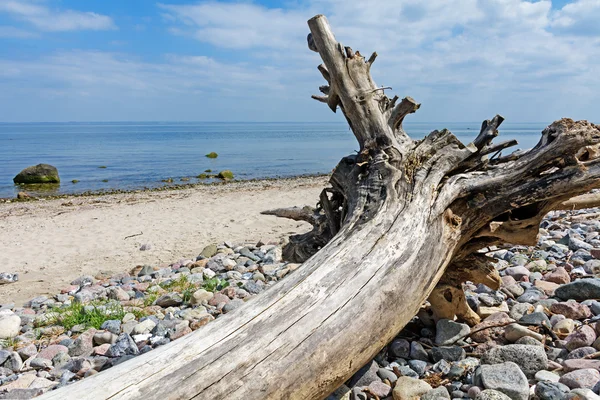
(539,335)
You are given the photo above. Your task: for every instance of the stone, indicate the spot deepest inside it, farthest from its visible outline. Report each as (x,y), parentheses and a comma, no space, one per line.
(582,337)
(143,327)
(225,175)
(84,344)
(547,287)
(10,324)
(448,332)
(418,352)
(580,352)
(112,325)
(387,374)
(559,276)
(529,341)
(125,345)
(564,327)
(27,352)
(116,293)
(580,290)
(490,394)
(571,309)
(40,363)
(548,376)
(485,311)
(580,363)
(365,376)
(530,359)
(439,392)
(536,318)
(41,173)
(399,348)
(546,390)
(169,300)
(104,337)
(13,362)
(518,272)
(52,350)
(379,389)
(410,388)
(448,353)
(506,378)
(581,378)
(218,298)
(209,251)
(200,296)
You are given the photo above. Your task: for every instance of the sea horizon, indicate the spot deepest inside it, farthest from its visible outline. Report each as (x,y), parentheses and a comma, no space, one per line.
(142,154)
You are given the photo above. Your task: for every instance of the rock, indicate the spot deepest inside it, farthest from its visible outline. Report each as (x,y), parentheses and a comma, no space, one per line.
(490,394)
(41,173)
(547,287)
(143,327)
(13,362)
(485,311)
(27,352)
(559,275)
(417,352)
(582,337)
(448,332)
(101,338)
(577,244)
(6,277)
(546,376)
(581,289)
(209,251)
(529,341)
(125,345)
(580,352)
(582,378)
(439,392)
(379,389)
(564,327)
(116,293)
(518,272)
(10,324)
(506,378)
(410,388)
(582,394)
(530,359)
(579,363)
(84,344)
(387,374)
(571,309)
(169,300)
(448,353)
(52,350)
(551,390)
(226,174)
(482,335)
(399,348)
(112,325)
(365,376)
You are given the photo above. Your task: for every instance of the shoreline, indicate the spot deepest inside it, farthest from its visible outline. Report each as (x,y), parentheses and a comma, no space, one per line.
(162,188)
(51,241)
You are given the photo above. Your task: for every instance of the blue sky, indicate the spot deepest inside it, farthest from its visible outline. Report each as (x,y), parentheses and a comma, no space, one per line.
(138,60)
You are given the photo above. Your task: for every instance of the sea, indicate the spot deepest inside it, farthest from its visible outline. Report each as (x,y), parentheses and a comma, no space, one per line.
(107,156)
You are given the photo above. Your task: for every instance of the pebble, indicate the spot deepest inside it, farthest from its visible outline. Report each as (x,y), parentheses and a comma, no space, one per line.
(581,378)
(448,332)
(579,290)
(410,388)
(530,359)
(506,378)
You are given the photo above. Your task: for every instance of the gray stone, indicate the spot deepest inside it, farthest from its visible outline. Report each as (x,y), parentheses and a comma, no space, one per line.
(448,353)
(439,392)
(581,289)
(417,352)
(365,375)
(551,390)
(410,388)
(399,348)
(209,251)
(448,332)
(125,345)
(546,376)
(530,359)
(169,300)
(506,378)
(387,374)
(13,362)
(418,366)
(146,271)
(112,325)
(491,394)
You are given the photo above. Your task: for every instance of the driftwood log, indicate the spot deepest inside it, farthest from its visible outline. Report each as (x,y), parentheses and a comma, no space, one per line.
(400,216)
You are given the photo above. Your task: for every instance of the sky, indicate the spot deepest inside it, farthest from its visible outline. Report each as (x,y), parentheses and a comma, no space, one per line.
(176,60)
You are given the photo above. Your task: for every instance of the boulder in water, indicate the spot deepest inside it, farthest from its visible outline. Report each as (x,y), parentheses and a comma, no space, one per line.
(41,173)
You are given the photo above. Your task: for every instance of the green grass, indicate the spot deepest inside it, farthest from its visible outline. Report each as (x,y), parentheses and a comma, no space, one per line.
(76,314)
(11,342)
(181,285)
(149,299)
(214,284)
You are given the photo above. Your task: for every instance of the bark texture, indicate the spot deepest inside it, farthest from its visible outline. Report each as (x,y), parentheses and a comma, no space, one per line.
(400,216)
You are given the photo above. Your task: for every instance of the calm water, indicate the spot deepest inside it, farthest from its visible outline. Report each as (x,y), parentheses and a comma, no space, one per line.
(139,155)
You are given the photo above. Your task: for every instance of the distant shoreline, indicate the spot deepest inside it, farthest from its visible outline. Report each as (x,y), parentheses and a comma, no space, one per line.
(236,183)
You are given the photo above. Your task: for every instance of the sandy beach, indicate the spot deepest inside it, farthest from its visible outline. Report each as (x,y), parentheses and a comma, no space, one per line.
(51,242)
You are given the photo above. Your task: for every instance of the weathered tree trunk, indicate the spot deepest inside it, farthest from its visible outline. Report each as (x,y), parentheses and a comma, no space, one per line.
(397,215)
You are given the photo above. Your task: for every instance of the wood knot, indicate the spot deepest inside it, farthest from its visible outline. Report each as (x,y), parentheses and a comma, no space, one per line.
(453,220)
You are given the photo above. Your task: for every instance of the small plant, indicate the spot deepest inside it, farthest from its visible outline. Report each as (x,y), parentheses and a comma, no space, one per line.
(212,154)
(214,284)
(181,285)
(91,315)
(150,299)
(10,342)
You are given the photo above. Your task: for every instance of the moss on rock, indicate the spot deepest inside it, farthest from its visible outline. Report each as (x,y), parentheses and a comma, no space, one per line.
(227,174)
(41,173)
(212,154)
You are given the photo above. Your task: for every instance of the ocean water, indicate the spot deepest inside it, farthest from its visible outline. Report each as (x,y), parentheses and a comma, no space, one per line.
(142,154)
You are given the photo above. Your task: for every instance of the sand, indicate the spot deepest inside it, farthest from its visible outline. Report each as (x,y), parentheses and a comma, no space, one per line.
(49,243)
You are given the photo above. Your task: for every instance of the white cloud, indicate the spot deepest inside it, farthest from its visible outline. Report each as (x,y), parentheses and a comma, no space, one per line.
(46,19)
(13,32)
(580,17)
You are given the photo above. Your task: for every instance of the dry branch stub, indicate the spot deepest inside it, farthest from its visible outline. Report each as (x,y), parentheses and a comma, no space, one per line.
(398,217)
